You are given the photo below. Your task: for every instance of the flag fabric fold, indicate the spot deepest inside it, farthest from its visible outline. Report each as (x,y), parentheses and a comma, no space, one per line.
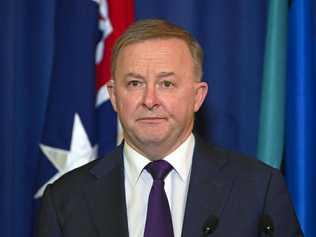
(271,125)
(300,160)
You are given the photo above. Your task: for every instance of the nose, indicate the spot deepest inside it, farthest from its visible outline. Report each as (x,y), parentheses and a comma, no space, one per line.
(150,99)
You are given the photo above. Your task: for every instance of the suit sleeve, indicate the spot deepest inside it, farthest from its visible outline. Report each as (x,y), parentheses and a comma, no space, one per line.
(47,224)
(279,208)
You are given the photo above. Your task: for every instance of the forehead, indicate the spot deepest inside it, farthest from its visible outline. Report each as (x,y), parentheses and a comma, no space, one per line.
(170,54)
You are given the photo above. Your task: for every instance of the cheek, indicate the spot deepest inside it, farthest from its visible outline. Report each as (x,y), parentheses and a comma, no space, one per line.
(180,108)
(125,108)
(127,105)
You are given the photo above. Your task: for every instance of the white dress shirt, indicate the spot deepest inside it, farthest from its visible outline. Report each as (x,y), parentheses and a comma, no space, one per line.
(138,183)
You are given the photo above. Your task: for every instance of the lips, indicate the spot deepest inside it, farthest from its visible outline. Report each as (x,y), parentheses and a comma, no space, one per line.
(151,119)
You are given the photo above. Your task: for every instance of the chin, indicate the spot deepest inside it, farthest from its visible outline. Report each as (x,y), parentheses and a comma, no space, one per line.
(152,139)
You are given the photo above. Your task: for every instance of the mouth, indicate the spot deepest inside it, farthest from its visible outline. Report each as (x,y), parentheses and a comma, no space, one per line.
(151,120)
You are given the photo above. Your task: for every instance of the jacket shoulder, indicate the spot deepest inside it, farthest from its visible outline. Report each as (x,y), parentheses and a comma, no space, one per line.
(73,180)
(233,161)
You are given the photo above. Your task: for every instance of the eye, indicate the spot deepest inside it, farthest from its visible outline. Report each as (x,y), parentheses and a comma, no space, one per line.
(134,83)
(167,84)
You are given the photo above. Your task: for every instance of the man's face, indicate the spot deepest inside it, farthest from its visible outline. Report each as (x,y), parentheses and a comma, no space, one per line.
(156,93)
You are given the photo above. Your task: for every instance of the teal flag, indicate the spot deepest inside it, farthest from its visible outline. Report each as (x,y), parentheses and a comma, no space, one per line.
(271,127)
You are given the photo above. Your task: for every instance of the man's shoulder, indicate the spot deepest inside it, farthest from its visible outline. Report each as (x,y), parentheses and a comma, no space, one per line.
(74,179)
(235,162)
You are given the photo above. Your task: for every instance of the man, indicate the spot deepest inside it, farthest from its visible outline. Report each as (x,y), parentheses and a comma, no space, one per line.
(163,180)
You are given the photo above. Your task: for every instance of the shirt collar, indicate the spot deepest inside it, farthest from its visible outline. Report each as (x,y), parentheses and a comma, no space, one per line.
(134,163)
(180,159)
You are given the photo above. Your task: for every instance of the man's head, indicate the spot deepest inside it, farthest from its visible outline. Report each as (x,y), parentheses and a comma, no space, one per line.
(156,86)
(158,29)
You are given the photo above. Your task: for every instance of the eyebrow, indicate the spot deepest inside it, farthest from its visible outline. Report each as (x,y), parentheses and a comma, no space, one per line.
(134,75)
(165,74)
(138,76)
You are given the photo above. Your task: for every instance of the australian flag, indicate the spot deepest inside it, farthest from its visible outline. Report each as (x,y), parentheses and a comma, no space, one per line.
(80,124)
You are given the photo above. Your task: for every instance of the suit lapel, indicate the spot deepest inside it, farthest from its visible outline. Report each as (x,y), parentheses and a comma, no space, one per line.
(105,196)
(209,189)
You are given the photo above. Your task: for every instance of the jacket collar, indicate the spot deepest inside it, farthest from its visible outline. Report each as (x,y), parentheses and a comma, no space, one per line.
(105,195)
(209,188)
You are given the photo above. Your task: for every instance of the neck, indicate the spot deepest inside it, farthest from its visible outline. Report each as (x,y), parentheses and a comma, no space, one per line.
(157,151)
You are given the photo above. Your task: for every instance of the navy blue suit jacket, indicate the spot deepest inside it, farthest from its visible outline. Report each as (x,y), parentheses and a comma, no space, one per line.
(235,190)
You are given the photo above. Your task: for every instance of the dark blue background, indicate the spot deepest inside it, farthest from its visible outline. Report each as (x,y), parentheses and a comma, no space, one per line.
(232,34)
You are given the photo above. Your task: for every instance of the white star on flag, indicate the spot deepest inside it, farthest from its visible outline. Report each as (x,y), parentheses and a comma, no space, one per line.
(81,152)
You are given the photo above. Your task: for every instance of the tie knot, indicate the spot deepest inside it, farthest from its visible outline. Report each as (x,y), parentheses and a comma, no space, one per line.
(159,169)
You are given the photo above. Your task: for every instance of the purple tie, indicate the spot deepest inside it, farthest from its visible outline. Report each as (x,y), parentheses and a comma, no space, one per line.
(158,221)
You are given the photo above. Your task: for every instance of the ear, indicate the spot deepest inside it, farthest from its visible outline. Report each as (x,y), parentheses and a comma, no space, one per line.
(112,92)
(201,89)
